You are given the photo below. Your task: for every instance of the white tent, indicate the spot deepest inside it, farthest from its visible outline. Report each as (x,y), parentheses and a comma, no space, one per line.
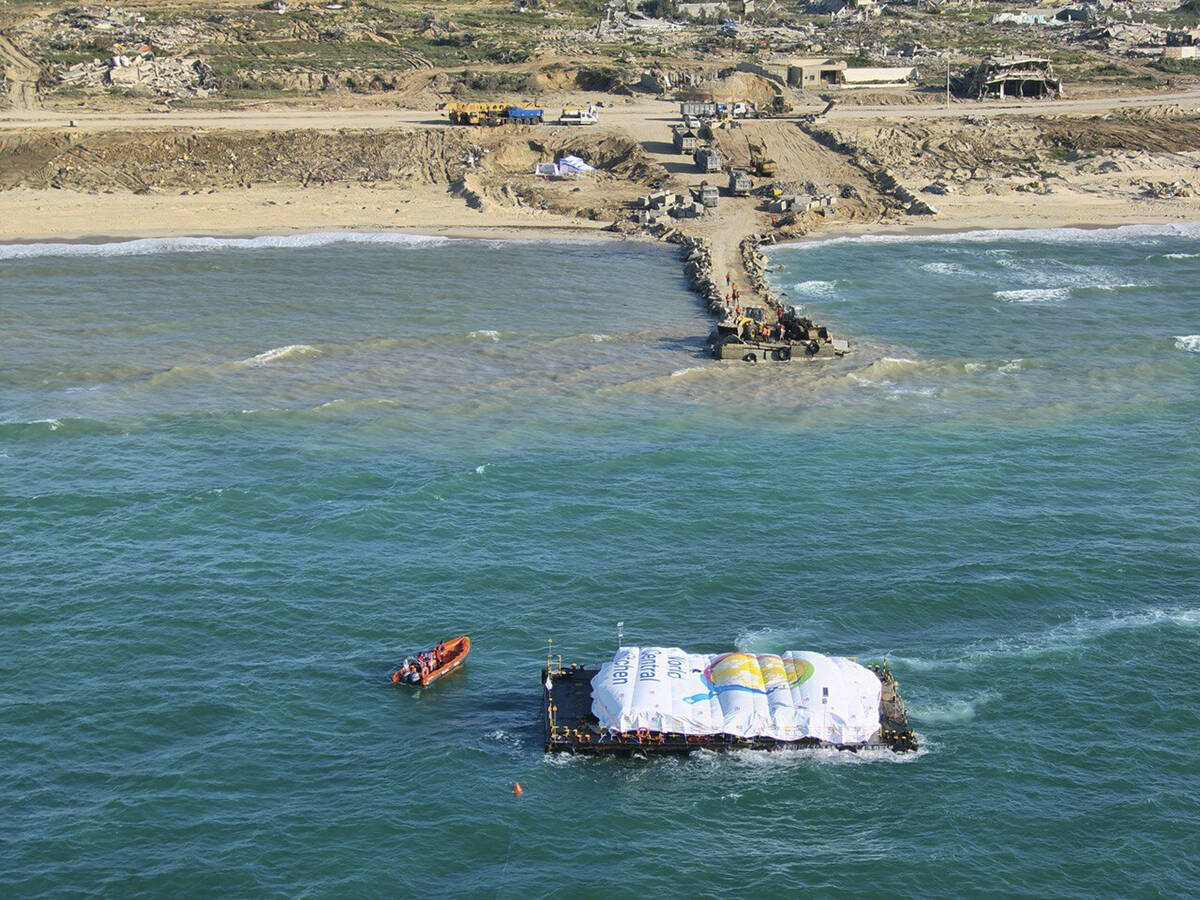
(799,694)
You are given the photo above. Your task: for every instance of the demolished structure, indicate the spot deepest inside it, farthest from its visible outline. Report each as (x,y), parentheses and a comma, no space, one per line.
(998,77)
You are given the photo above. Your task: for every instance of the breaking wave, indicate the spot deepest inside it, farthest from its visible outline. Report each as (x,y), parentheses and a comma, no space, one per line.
(1033,295)
(485,333)
(940,268)
(1038,235)
(279,354)
(825,290)
(1188,342)
(150,246)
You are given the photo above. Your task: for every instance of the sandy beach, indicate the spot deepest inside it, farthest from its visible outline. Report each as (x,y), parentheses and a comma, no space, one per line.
(28,214)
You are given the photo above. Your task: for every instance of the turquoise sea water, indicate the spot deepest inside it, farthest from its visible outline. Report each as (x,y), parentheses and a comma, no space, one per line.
(238,480)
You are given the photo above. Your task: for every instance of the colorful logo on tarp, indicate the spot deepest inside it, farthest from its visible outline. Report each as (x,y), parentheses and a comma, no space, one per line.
(753,674)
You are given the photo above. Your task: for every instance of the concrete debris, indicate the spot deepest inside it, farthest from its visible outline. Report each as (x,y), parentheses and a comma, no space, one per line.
(886,180)
(800,203)
(1164,190)
(143,73)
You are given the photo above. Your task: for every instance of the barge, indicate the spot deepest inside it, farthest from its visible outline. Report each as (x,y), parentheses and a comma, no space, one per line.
(664,702)
(750,339)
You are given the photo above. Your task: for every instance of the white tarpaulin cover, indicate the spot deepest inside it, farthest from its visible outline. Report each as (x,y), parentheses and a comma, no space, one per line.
(573,164)
(797,695)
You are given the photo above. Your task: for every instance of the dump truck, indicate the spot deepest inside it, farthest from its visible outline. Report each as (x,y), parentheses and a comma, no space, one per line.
(701,109)
(706,194)
(520,116)
(683,139)
(708,159)
(740,183)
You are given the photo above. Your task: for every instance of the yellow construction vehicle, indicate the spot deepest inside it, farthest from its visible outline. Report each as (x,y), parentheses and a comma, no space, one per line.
(779,106)
(763,165)
(476,113)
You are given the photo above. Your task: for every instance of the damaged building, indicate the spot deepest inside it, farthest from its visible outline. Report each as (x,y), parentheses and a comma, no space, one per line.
(998,77)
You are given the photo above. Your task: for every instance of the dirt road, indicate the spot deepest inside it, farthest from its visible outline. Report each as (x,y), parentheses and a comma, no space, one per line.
(635,117)
(21,73)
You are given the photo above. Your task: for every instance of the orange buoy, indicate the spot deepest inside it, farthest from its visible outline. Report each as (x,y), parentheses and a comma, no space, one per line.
(517,789)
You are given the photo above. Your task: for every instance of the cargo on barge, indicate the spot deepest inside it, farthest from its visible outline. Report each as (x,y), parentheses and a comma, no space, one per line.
(776,713)
(750,338)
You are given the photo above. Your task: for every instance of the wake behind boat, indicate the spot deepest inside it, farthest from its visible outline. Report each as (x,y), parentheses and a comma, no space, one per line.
(430,665)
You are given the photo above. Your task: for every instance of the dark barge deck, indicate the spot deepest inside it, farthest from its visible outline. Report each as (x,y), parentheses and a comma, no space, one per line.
(570,726)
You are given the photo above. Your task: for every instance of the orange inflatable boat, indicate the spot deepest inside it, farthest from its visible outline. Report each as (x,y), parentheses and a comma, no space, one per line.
(430,665)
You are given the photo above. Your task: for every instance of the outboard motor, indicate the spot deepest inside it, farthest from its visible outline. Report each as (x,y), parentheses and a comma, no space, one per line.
(413,678)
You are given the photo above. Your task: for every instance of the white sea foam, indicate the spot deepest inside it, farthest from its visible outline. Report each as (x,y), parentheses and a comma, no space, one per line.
(952,711)
(940,268)
(1033,295)
(149,246)
(1067,637)
(563,759)
(973,367)
(1036,235)
(754,639)
(1009,367)
(279,354)
(485,333)
(479,470)
(1188,342)
(1181,255)
(601,338)
(680,372)
(819,756)
(824,290)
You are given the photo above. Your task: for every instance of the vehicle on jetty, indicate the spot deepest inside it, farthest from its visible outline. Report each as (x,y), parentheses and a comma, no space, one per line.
(750,339)
(659,701)
(430,665)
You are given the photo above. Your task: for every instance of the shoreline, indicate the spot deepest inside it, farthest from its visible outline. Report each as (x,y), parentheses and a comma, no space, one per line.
(576,233)
(547,234)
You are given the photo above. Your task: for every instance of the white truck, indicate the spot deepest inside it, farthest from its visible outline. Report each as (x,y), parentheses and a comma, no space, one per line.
(579,116)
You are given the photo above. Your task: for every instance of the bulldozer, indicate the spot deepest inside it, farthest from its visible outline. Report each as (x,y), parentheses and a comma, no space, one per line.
(779,106)
(762,163)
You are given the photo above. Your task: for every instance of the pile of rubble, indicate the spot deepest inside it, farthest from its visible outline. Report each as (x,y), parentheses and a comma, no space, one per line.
(659,207)
(1132,39)
(83,28)
(886,180)
(756,263)
(142,74)
(797,203)
(698,267)
(1167,190)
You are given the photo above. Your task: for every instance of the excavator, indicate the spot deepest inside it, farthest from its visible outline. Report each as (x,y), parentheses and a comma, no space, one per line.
(762,163)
